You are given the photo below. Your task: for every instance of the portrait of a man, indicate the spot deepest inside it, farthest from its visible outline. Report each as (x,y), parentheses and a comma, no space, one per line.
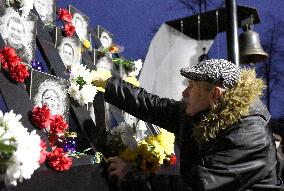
(69,49)
(51,91)
(81,23)
(46,10)
(103,38)
(102,62)
(19,33)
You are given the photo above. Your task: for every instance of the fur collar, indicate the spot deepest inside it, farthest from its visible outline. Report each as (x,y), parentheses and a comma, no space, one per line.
(233,105)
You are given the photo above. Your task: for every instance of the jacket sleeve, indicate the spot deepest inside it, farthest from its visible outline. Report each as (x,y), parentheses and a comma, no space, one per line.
(163,112)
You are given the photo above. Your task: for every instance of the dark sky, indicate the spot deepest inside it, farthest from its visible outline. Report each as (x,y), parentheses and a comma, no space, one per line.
(134,22)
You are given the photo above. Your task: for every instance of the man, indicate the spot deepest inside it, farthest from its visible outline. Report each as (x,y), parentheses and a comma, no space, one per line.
(43,9)
(14,36)
(105,40)
(67,54)
(80,26)
(104,63)
(221,125)
(50,98)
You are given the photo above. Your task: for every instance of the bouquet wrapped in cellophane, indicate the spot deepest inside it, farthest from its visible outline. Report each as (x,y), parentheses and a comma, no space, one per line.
(148,155)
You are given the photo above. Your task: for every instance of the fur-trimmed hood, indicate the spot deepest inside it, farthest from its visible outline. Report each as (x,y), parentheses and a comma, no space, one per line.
(234,104)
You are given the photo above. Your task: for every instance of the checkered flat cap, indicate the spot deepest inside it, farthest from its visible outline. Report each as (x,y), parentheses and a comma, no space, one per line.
(216,71)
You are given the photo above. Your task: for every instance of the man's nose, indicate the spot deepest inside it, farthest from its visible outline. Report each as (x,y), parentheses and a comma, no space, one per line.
(185,92)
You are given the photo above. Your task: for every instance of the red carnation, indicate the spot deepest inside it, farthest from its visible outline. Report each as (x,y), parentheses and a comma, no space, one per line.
(43,152)
(8,57)
(58,160)
(8,51)
(64,15)
(173,159)
(3,61)
(19,73)
(69,29)
(41,117)
(58,125)
(12,61)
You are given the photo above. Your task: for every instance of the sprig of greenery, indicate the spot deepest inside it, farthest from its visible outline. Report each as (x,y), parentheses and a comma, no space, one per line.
(78,154)
(127,64)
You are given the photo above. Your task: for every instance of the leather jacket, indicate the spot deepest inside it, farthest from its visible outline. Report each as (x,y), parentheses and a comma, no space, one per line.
(241,157)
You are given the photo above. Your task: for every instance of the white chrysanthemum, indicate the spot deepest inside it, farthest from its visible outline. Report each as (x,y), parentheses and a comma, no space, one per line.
(74,91)
(79,70)
(88,93)
(137,67)
(24,161)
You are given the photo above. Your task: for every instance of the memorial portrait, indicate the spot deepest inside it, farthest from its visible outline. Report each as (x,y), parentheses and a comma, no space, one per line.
(51,91)
(69,49)
(19,32)
(46,10)
(81,23)
(102,62)
(104,38)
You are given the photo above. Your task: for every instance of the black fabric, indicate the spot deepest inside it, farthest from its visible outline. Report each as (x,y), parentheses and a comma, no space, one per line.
(242,157)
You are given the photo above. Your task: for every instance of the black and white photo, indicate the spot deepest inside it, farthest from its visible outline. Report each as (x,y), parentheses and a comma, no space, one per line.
(19,32)
(81,23)
(104,38)
(102,62)
(46,10)
(69,49)
(51,91)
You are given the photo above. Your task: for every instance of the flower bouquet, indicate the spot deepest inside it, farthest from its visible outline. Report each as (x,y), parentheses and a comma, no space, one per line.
(20,151)
(148,155)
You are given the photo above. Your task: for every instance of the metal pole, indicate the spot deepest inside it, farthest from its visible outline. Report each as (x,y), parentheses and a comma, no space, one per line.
(232,32)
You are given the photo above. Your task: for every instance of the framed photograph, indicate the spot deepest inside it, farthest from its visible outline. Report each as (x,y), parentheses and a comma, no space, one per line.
(69,48)
(81,23)
(103,62)
(19,32)
(103,38)
(46,10)
(50,90)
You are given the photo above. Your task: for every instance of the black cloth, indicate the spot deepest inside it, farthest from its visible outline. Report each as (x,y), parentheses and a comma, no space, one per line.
(242,157)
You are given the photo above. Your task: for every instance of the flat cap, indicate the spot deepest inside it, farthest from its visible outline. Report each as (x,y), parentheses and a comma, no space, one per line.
(216,71)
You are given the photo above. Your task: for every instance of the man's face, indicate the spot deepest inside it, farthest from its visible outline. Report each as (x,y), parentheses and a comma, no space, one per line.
(15,33)
(42,9)
(79,27)
(197,99)
(105,40)
(68,54)
(103,63)
(49,99)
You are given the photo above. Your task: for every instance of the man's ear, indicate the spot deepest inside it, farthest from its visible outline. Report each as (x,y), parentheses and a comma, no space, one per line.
(216,94)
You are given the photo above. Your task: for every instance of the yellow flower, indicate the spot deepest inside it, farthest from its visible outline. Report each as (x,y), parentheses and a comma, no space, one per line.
(99,77)
(128,155)
(150,164)
(166,140)
(86,44)
(132,80)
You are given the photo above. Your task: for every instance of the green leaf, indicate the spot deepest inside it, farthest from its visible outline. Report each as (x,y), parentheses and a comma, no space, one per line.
(7,148)
(80,81)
